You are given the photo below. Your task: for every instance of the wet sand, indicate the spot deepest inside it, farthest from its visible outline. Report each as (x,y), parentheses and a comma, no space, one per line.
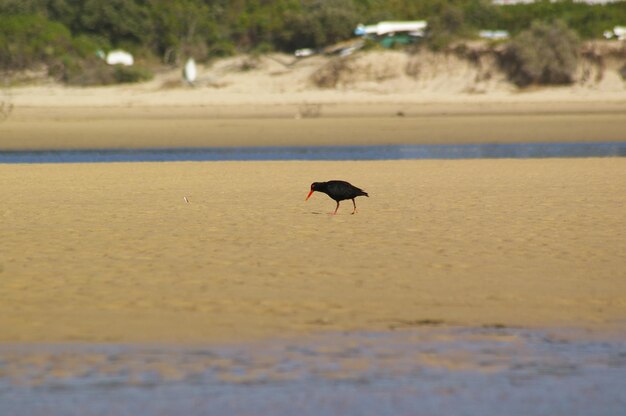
(113,253)
(269,124)
(426,372)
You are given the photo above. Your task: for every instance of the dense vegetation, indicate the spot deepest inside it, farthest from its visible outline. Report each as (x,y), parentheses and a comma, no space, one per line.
(542,54)
(65,34)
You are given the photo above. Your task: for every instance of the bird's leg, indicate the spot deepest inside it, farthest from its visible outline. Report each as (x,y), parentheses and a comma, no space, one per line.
(353,203)
(336,208)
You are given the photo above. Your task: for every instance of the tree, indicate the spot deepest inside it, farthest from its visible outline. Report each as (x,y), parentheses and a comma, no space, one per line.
(182,28)
(318,24)
(123,21)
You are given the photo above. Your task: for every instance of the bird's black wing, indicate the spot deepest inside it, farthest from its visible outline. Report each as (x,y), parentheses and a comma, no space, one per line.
(340,190)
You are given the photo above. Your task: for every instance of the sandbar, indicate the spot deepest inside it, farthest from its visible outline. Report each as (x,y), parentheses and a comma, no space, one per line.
(114,253)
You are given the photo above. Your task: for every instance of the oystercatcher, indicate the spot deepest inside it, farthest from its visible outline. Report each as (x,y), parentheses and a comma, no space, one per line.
(337,190)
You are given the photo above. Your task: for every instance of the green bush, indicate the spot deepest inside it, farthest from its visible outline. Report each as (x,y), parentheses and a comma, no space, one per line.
(589,21)
(182,28)
(27,41)
(544,54)
(129,74)
(73,70)
(121,20)
(447,26)
(318,24)
(85,46)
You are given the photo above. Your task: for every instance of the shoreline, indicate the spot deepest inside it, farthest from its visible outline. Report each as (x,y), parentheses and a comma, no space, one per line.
(334,108)
(43,128)
(450,101)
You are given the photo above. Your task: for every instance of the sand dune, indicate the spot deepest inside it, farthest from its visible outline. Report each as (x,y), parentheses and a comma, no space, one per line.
(275,104)
(113,253)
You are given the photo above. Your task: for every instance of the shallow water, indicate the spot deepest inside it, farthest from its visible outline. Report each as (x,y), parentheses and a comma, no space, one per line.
(392,152)
(429,371)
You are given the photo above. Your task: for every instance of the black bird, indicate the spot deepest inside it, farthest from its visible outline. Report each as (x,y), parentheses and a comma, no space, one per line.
(337,190)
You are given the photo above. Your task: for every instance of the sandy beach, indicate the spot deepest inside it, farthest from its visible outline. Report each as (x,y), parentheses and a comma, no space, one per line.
(212,287)
(113,253)
(89,128)
(275,104)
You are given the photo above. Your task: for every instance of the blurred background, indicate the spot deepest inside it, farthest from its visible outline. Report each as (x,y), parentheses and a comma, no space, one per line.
(533,42)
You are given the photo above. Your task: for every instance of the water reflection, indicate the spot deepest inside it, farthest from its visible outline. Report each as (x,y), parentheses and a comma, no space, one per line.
(471,371)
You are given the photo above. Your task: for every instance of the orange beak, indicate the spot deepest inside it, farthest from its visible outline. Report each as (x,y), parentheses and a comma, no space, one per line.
(309,195)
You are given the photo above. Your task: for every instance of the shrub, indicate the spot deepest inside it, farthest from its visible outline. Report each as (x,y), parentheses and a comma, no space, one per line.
(318,24)
(182,29)
(93,71)
(128,74)
(123,21)
(85,72)
(27,41)
(544,54)
(331,74)
(449,24)
(86,46)
(589,20)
